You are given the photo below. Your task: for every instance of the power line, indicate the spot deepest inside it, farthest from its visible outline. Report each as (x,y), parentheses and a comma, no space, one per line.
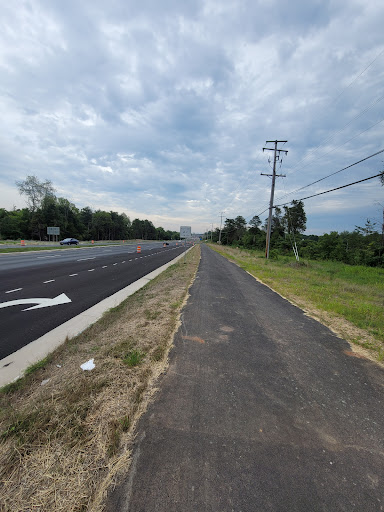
(335,101)
(294,168)
(332,174)
(332,190)
(358,76)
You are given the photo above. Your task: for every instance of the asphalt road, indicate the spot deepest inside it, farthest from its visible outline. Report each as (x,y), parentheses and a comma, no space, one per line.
(261,409)
(85,276)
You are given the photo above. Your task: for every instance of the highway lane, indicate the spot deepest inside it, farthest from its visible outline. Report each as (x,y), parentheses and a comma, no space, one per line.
(85,280)
(9,261)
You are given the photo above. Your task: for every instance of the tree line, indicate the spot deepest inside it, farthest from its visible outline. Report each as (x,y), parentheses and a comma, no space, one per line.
(363,246)
(44,210)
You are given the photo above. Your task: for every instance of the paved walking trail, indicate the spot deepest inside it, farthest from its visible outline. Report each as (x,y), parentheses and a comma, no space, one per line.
(261,409)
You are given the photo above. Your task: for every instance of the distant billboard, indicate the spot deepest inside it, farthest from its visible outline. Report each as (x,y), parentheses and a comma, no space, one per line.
(185,231)
(53,231)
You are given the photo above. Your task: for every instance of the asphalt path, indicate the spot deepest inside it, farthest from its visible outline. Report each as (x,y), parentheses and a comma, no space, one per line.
(261,409)
(85,277)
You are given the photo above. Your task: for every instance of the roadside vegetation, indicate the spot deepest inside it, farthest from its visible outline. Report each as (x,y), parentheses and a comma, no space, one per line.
(363,246)
(347,298)
(66,433)
(44,209)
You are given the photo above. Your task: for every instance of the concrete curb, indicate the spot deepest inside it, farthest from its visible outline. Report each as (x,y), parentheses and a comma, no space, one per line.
(13,366)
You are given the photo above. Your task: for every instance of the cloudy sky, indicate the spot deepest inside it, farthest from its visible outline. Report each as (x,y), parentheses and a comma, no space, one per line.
(161,108)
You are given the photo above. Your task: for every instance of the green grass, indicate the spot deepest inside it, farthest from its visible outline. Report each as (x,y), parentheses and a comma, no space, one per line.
(20,383)
(32,249)
(133,358)
(355,293)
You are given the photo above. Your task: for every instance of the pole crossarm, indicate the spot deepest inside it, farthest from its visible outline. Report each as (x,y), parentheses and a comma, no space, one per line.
(276,175)
(277,150)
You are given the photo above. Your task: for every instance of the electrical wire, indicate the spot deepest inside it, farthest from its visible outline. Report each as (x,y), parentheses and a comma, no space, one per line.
(294,168)
(332,190)
(332,174)
(358,76)
(335,101)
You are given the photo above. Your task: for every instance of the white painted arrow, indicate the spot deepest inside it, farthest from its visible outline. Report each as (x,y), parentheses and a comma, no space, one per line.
(41,302)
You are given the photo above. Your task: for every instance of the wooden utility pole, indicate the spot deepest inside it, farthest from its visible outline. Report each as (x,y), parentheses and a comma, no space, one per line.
(221,222)
(274,176)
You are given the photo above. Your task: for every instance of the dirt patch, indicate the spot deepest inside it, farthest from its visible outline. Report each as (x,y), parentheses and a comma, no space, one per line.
(193,338)
(65,434)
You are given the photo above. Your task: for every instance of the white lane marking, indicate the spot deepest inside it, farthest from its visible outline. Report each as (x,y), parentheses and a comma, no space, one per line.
(91,270)
(130,260)
(71,275)
(42,257)
(114,264)
(123,261)
(15,290)
(41,302)
(105,266)
(50,281)
(83,259)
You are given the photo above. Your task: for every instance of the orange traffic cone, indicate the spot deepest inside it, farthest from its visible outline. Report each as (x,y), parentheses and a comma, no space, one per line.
(138,248)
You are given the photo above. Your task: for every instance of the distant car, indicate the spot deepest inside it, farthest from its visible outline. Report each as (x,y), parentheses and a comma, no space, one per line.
(69,241)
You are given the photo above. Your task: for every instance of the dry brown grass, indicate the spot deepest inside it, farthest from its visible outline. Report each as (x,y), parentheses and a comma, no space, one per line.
(64,443)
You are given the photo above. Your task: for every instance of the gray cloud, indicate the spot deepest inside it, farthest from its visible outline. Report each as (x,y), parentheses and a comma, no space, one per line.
(161,109)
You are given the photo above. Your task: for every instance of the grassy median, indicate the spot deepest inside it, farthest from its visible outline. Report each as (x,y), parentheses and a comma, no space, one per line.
(66,432)
(348,299)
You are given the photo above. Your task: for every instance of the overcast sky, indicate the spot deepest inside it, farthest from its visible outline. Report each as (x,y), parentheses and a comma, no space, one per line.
(161,108)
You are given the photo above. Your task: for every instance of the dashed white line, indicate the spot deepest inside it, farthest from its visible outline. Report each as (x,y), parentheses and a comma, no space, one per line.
(83,259)
(105,266)
(15,290)
(114,264)
(50,281)
(71,275)
(91,269)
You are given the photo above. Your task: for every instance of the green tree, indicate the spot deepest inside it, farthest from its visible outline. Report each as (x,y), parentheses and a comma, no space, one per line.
(295,219)
(35,191)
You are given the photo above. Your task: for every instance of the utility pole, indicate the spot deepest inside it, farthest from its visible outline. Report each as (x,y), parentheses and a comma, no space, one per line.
(276,157)
(221,222)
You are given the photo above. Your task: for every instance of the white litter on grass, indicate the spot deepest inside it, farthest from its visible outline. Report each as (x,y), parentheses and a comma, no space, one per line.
(89,365)
(44,382)
(58,365)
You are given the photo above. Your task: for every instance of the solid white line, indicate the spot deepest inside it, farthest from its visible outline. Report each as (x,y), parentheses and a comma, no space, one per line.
(83,259)
(50,281)
(71,275)
(15,290)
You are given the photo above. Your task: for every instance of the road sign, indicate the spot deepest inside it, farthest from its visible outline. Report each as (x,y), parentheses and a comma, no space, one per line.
(185,231)
(53,231)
